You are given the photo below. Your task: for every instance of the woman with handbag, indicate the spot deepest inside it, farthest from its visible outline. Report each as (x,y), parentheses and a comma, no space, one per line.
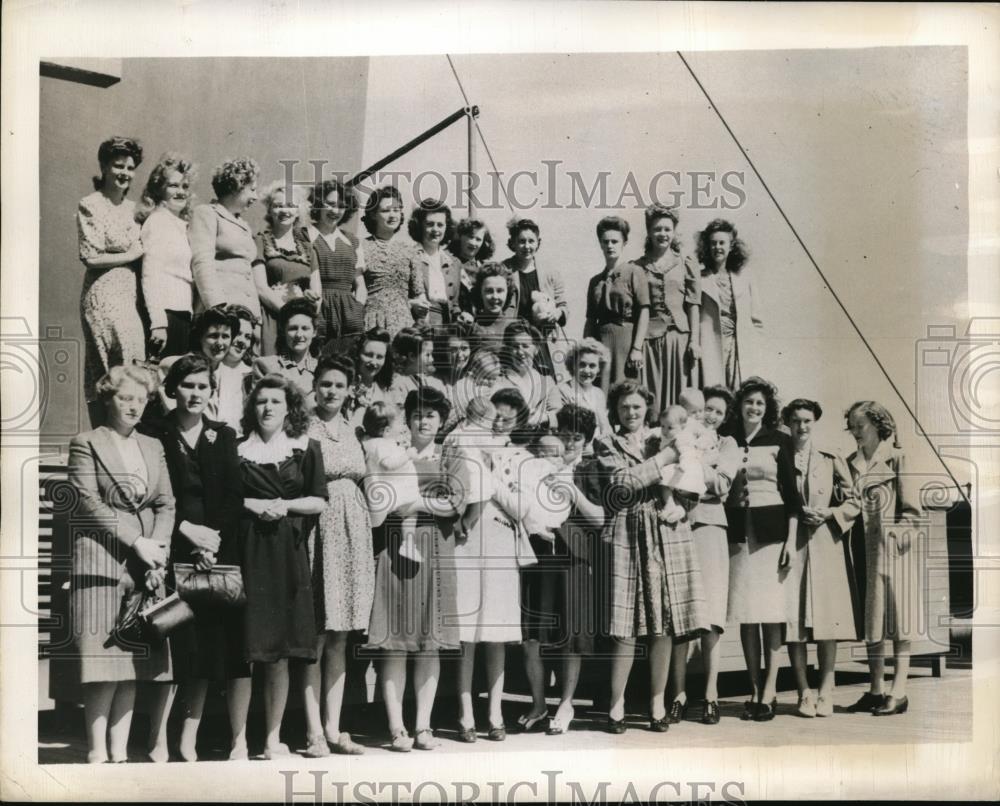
(123,493)
(205,475)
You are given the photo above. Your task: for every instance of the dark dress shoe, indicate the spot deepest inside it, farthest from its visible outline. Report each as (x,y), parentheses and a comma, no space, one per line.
(750,710)
(678,710)
(710,713)
(659,725)
(497,733)
(868,702)
(615,725)
(765,711)
(467,735)
(892,706)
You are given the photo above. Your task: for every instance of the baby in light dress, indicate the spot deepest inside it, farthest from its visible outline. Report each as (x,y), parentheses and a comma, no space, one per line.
(390,475)
(465,460)
(683,482)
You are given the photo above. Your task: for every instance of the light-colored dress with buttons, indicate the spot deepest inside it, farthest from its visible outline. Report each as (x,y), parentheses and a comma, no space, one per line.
(343,563)
(109,303)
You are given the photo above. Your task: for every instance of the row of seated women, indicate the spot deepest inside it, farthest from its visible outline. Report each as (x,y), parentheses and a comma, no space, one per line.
(668,320)
(552,525)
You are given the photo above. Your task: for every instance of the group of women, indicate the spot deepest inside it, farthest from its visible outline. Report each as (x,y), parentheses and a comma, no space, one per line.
(281,360)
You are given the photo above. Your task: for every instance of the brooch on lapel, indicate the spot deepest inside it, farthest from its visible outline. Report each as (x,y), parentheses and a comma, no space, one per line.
(210,435)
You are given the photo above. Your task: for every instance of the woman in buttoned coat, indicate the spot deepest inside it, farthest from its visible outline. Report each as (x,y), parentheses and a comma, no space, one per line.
(674,298)
(762,512)
(729,311)
(222,245)
(883,494)
(820,588)
(126,511)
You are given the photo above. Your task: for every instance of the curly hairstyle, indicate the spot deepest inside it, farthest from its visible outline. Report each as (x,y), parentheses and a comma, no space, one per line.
(319,192)
(299,306)
(415,226)
(586,345)
(508,396)
(517,328)
(408,342)
(244,314)
(516,226)
(281,187)
(487,271)
(613,223)
(112,381)
(339,363)
(878,415)
(738,251)
(219,316)
(467,226)
(575,419)
(734,417)
(155,191)
(384,376)
(113,147)
(800,403)
(623,390)
(653,214)
(234,175)
(297,418)
(190,364)
(427,397)
(375,199)
(720,392)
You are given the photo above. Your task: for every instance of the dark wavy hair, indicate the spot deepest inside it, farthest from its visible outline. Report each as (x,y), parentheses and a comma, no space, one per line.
(734,418)
(415,226)
(613,223)
(244,314)
(487,271)
(340,363)
(653,214)
(878,415)
(800,403)
(234,175)
(219,316)
(116,146)
(515,227)
(156,186)
(466,227)
(299,306)
(517,328)
(189,364)
(319,192)
(374,200)
(720,392)
(574,419)
(427,397)
(297,418)
(738,251)
(624,389)
(384,376)
(509,396)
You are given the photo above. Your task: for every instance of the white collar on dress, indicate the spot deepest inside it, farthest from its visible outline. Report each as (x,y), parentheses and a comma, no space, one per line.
(277,450)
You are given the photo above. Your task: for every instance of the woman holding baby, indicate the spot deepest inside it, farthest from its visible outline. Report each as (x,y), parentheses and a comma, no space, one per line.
(655,589)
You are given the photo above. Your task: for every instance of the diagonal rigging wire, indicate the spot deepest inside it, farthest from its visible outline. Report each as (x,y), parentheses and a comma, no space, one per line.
(482,136)
(826,282)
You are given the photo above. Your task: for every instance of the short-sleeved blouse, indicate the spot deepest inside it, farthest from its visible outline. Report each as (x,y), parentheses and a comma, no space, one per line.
(673,283)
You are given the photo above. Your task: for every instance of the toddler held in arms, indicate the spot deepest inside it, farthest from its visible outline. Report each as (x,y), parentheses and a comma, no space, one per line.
(683,482)
(390,475)
(466,462)
(551,502)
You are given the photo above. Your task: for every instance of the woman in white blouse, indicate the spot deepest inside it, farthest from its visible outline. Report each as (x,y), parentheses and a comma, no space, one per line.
(167,283)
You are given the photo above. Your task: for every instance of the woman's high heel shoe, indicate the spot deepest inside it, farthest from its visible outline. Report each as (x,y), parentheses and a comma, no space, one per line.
(765,712)
(526,724)
(892,706)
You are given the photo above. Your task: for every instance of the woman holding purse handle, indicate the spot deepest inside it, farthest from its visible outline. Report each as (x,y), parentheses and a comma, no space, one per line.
(205,476)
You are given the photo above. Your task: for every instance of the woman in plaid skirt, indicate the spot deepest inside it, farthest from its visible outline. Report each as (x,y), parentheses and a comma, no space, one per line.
(654,581)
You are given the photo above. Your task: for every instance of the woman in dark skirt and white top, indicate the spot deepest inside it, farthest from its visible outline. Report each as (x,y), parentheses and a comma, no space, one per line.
(762,511)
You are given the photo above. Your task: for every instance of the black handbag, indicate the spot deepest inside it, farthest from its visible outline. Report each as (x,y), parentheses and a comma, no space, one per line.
(220,585)
(146,617)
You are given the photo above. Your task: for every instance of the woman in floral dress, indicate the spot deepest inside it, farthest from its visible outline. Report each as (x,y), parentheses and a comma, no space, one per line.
(343,565)
(387,263)
(111,250)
